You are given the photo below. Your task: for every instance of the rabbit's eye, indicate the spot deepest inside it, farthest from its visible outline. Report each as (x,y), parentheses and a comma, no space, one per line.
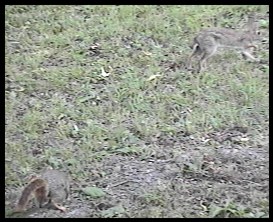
(258,33)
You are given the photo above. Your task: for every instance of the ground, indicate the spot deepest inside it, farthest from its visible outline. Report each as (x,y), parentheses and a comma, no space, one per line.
(103,93)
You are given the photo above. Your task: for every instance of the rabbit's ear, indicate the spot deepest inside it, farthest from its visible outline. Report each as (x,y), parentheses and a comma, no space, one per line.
(251,25)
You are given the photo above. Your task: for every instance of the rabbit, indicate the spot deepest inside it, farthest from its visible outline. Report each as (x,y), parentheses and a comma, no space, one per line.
(208,41)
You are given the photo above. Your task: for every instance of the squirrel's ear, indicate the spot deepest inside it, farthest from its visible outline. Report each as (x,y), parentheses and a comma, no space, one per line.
(31,177)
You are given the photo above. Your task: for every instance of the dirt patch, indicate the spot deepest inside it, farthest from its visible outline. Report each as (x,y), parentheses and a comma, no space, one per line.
(195,177)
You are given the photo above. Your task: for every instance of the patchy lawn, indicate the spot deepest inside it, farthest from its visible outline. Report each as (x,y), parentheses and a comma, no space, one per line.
(102,92)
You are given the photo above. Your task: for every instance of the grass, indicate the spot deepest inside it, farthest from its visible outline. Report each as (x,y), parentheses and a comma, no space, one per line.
(84,83)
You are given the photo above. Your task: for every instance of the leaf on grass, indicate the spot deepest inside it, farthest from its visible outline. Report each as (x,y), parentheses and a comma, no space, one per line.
(76,128)
(20,89)
(61,116)
(147,53)
(152,77)
(103,73)
(93,192)
(113,211)
(214,211)
(244,139)
(95,46)
(259,215)
(264,23)
(85,98)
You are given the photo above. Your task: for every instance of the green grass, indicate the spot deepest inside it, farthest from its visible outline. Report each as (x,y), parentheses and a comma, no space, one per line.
(56,89)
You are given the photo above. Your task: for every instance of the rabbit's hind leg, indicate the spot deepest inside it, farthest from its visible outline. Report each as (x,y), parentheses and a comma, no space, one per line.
(208,52)
(196,51)
(246,54)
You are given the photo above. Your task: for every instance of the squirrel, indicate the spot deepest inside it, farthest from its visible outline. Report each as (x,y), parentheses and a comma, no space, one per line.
(51,187)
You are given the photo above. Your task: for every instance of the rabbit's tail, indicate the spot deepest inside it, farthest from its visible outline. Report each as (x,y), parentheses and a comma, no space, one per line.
(194,46)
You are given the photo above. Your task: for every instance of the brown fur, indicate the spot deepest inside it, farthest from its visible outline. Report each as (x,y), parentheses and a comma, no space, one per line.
(36,186)
(51,187)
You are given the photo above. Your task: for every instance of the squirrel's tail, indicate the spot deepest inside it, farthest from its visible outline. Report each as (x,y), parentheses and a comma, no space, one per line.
(26,194)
